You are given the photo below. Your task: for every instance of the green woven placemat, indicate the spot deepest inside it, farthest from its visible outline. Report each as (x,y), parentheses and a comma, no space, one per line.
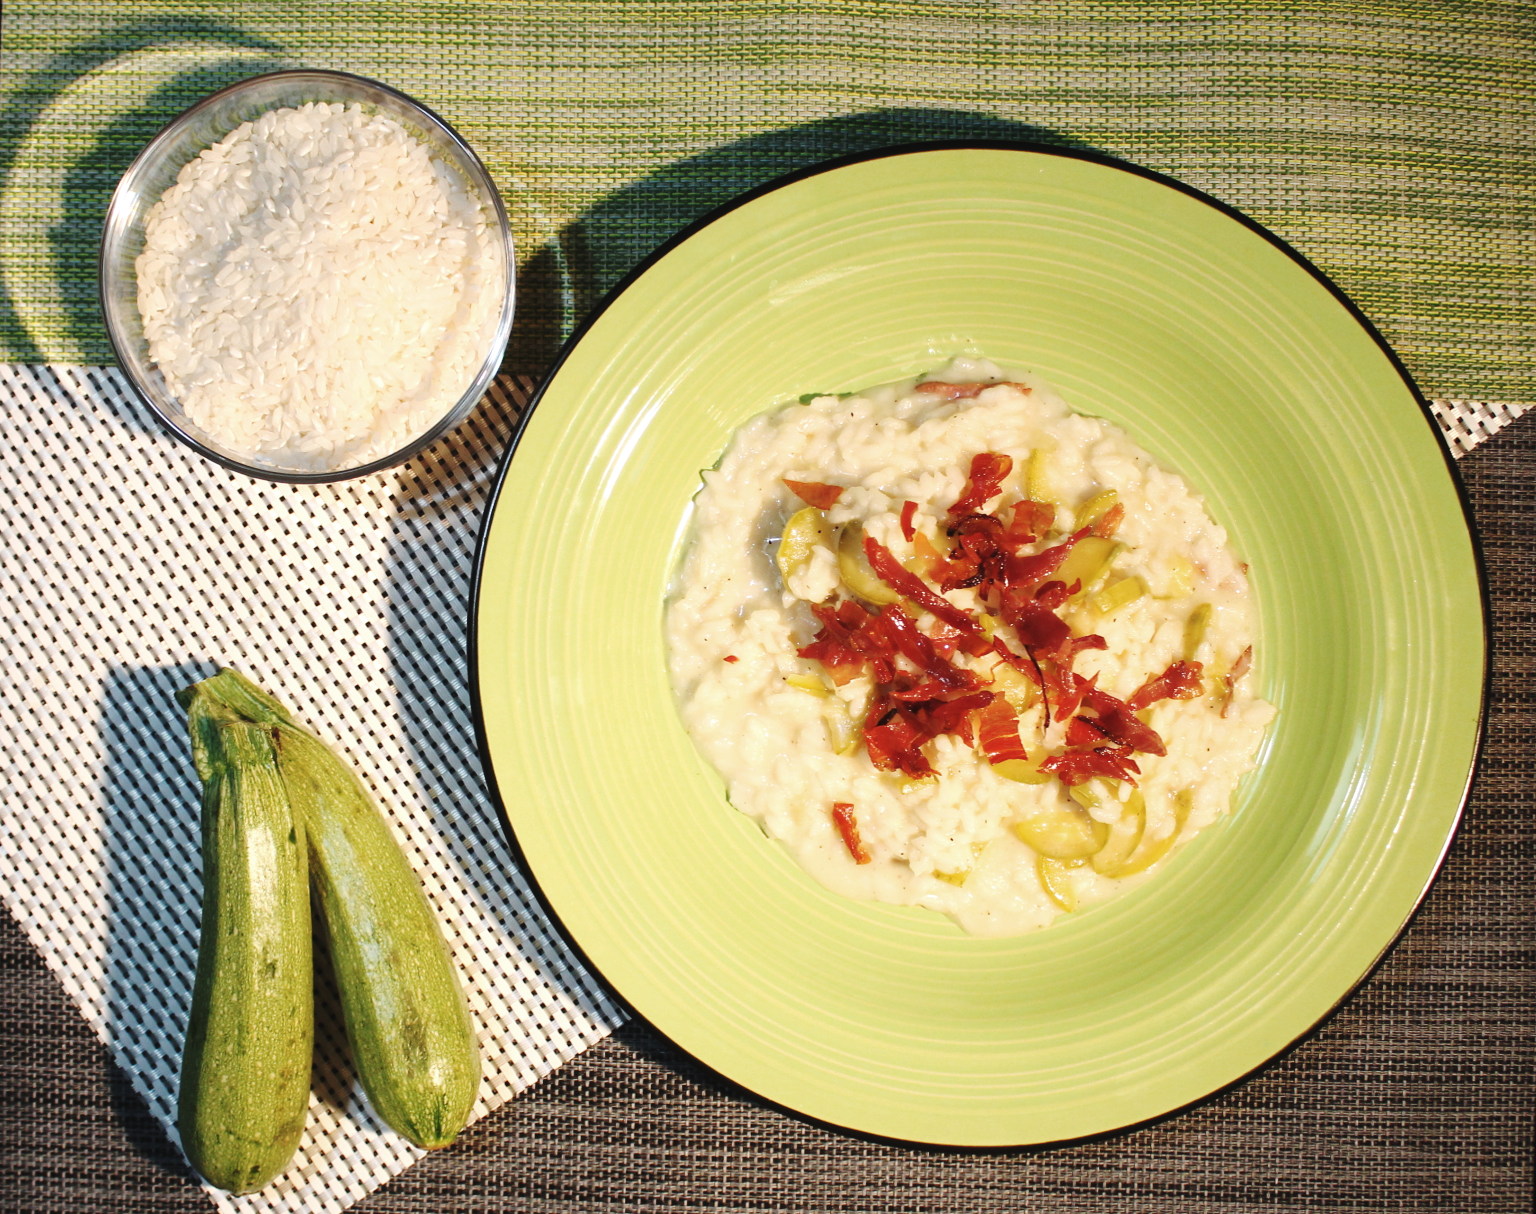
(1390,143)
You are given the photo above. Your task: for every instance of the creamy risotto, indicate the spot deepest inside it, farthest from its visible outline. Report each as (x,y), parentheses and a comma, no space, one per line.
(956,646)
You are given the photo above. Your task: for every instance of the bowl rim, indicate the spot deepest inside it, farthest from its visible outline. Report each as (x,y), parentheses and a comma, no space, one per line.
(113,225)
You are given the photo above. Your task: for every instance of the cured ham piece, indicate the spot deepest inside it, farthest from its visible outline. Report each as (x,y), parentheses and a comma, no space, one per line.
(988,471)
(936,717)
(1181,681)
(1229,680)
(945,391)
(848,828)
(918,648)
(815,493)
(997,732)
(894,740)
(907,584)
(1027,572)
(1107,523)
(1074,767)
(1029,521)
(1122,725)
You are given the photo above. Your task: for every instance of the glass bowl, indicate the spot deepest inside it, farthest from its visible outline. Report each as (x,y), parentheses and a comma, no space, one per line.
(206,123)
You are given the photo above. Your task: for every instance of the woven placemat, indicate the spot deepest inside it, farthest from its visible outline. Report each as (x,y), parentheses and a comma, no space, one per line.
(1392,144)
(132,567)
(1413,1098)
(138,567)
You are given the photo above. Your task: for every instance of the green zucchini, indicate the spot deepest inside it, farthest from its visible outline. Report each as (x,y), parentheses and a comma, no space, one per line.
(244,1089)
(413,1041)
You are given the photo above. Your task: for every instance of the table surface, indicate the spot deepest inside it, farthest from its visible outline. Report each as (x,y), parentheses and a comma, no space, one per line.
(1391,145)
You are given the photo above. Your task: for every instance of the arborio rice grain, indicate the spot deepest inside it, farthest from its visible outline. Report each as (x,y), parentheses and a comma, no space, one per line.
(966,841)
(317,288)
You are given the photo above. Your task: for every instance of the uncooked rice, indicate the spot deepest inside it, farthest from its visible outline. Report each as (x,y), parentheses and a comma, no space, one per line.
(317,288)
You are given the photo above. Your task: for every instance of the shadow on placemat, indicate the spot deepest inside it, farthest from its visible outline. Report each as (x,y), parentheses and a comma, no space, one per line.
(595,253)
(150,840)
(224,54)
(438,505)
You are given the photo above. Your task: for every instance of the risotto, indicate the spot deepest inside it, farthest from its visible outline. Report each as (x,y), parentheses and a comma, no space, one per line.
(958,647)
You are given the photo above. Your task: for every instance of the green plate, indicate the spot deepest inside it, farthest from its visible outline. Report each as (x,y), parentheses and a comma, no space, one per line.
(1232,362)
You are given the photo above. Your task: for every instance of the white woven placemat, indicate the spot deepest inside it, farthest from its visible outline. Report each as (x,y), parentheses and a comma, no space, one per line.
(131,567)
(1466,423)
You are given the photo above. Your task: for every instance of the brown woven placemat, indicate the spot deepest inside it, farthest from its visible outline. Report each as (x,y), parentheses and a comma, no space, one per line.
(1415,1096)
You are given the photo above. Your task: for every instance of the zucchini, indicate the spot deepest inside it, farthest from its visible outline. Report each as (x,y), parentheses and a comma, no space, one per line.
(1062,832)
(244,1088)
(413,1041)
(854,566)
(805,531)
